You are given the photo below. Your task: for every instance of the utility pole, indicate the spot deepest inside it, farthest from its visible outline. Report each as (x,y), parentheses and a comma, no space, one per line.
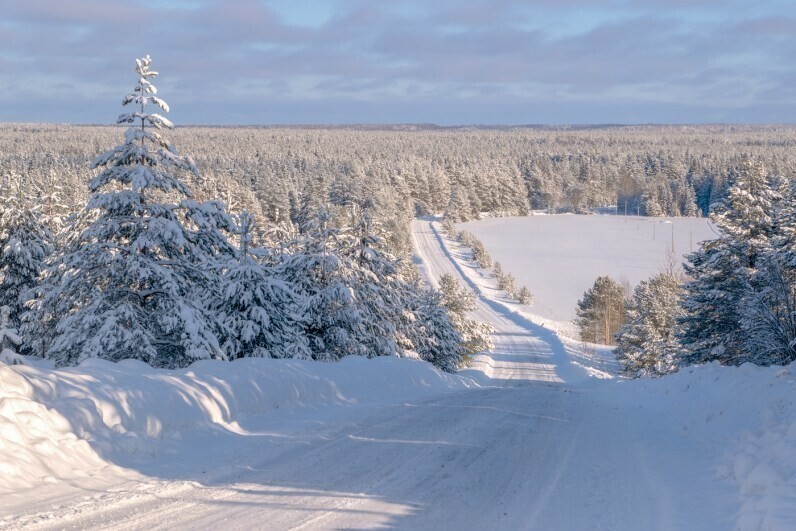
(672,237)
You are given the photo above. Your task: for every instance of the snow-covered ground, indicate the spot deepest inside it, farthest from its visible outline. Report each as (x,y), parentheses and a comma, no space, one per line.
(538,434)
(737,424)
(559,257)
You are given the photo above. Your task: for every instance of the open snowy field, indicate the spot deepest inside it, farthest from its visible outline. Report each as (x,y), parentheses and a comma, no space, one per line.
(559,257)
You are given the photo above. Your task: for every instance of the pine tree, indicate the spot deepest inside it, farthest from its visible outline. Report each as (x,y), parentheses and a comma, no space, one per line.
(524,296)
(459,302)
(136,279)
(723,270)
(25,245)
(480,254)
(459,207)
(321,278)
(9,339)
(710,325)
(380,293)
(261,313)
(507,283)
(646,343)
(448,228)
(768,315)
(601,312)
(433,333)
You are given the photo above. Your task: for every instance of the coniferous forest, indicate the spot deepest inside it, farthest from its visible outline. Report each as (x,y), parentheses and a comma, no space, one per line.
(196,242)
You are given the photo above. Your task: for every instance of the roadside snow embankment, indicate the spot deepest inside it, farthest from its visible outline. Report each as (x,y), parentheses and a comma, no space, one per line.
(68,423)
(763,462)
(743,419)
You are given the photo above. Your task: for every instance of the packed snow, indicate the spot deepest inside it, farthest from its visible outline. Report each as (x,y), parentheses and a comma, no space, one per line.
(704,402)
(558,257)
(539,433)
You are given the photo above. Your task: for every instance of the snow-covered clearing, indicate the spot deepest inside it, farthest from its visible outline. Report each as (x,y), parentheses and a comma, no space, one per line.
(559,257)
(535,435)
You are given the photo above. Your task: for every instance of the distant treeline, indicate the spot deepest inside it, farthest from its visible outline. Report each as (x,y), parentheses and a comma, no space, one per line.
(281,175)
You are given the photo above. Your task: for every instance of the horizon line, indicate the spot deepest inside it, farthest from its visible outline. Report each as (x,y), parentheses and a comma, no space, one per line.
(424,125)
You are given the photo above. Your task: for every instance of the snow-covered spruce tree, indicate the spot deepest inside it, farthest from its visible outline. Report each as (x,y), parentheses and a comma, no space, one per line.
(768,316)
(508,283)
(354,294)
(459,207)
(9,339)
(261,312)
(710,325)
(722,270)
(25,245)
(434,335)
(646,345)
(448,228)
(459,301)
(480,254)
(601,312)
(50,197)
(135,281)
(380,293)
(311,265)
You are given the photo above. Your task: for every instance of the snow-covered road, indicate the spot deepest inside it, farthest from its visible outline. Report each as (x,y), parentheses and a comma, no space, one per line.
(518,353)
(538,446)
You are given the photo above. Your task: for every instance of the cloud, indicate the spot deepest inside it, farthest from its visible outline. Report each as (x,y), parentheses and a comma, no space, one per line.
(450,61)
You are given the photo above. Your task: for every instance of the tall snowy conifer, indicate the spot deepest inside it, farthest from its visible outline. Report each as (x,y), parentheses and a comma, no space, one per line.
(135,281)
(380,294)
(25,245)
(723,270)
(769,310)
(434,334)
(353,301)
(9,339)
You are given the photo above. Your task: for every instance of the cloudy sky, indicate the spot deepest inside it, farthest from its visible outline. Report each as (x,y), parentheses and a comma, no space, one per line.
(415,61)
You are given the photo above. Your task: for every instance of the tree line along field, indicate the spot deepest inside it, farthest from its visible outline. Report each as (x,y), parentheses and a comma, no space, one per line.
(275,172)
(734,301)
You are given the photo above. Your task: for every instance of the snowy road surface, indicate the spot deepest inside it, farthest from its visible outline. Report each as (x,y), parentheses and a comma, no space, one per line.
(538,446)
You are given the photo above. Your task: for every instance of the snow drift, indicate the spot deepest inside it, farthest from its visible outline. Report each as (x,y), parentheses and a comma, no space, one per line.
(743,419)
(68,423)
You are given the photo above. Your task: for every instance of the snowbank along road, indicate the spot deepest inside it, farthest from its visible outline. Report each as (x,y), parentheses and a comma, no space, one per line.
(537,444)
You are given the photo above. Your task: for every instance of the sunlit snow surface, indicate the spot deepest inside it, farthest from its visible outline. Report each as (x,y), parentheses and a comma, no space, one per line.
(559,257)
(539,434)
